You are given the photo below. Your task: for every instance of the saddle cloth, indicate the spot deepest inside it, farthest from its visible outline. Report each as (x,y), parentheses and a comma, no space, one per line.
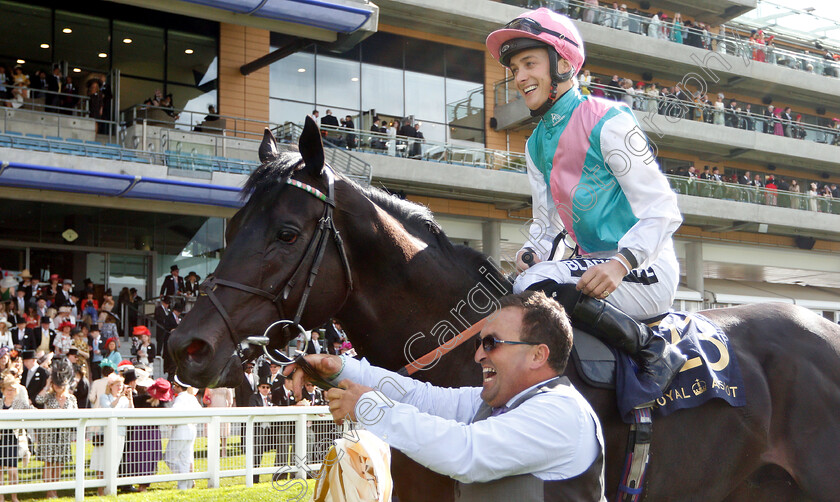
(711,371)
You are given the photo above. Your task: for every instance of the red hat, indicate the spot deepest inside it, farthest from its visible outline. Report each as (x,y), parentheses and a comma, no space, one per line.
(108,341)
(123,363)
(66,324)
(161,390)
(54,277)
(140,330)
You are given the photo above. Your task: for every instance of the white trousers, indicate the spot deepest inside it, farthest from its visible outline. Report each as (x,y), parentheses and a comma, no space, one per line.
(179,458)
(641,295)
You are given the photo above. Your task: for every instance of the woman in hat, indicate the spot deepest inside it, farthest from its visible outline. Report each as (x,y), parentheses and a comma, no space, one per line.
(14,398)
(5,334)
(63,340)
(116,397)
(220,397)
(191,284)
(53,287)
(144,448)
(89,306)
(80,343)
(144,350)
(110,352)
(7,288)
(54,444)
(81,386)
(108,325)
(31,317)
(5,359)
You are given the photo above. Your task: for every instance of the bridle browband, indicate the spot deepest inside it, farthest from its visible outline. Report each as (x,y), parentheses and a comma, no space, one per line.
(314,250)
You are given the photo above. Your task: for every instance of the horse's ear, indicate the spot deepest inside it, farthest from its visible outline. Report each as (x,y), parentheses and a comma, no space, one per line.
(311,148)
(268,147)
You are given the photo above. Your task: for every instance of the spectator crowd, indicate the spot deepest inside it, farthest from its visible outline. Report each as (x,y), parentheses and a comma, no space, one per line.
(60,348)
(678,103)
(757,45)
(393,137)
(54,92)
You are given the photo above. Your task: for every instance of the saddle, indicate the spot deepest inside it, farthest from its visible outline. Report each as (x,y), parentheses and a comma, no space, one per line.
(594,361)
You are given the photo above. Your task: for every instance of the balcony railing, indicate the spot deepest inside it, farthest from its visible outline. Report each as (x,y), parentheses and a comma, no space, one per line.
(754,195)
(689,110)
(424,149)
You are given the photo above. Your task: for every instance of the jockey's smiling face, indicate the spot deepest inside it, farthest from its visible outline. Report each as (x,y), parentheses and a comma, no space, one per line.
(505,369)
(531,74)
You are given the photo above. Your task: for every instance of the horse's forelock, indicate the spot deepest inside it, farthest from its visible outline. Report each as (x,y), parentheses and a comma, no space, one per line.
(272,174)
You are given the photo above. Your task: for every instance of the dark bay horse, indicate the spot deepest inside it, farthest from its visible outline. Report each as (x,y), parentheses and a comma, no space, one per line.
(409,290)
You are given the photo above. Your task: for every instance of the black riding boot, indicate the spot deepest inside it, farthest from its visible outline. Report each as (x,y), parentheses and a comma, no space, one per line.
(658,360)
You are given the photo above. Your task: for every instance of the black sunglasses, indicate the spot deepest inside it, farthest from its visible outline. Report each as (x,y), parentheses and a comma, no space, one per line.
(528,25)
(489,343)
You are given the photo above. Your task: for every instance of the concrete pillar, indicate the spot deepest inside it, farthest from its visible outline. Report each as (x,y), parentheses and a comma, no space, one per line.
(491,240)
(694,266)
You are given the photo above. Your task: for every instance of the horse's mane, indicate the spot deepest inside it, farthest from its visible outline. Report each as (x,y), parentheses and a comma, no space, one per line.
(420,222)
(417,219)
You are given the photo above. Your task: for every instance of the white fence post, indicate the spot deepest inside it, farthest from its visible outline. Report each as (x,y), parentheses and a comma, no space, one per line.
(299,458)
(80,459)
(112,456)
(213,445)
(249,451)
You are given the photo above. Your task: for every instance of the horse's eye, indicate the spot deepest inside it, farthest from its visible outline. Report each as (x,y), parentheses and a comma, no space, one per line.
(287,236)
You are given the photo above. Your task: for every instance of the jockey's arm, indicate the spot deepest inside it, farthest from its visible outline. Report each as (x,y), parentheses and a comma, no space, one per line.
(651,199)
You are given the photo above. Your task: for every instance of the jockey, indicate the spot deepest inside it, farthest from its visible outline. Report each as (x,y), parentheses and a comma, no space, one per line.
(592,173)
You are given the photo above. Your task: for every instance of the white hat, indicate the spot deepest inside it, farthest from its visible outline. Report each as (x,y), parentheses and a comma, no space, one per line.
(143,379)
(8,282)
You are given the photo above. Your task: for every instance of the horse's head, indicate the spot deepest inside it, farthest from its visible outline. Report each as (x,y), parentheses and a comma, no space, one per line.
(283,234)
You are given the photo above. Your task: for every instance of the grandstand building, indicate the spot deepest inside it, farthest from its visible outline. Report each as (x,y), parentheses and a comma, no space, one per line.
(117,182)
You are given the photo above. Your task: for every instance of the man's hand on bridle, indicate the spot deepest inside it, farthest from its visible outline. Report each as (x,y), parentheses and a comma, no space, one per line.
(326,365)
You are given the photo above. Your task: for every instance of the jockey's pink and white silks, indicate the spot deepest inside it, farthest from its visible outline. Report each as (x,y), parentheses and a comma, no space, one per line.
(592,172)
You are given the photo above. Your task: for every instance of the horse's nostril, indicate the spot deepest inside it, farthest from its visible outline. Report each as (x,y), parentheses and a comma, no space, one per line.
(195,347)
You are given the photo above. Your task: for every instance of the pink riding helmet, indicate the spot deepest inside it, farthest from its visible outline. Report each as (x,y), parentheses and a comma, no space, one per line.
(542,25)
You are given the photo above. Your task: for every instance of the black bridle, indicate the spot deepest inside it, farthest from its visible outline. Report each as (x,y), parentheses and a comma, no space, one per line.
(314,251)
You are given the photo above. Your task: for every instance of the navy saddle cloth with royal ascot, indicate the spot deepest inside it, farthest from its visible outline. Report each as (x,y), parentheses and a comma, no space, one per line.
(711,371)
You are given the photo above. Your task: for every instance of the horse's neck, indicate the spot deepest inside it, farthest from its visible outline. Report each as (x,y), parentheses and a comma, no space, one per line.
(412,287)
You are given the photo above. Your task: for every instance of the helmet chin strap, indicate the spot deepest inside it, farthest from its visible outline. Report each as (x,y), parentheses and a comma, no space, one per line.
(556,78)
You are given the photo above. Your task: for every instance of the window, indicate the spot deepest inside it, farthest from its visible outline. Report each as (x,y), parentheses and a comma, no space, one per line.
(464,64)
(382,90)
(424,56)
(293,77)
(383,49)
(424,96)
(282,111)
(87,46)
(138,50)
(337,82)
(23,29)
(190,58)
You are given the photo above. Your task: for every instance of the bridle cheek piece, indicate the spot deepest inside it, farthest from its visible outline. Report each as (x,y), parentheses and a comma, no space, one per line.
(314,251)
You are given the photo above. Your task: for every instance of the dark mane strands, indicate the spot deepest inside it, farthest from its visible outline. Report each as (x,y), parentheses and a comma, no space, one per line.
(416,218)
(271,174)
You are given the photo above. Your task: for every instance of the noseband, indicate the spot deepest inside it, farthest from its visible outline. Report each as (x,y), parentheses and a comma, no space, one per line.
(314,251)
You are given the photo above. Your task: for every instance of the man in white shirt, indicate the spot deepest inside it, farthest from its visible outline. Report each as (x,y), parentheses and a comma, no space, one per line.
(179,451)
(526,431)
